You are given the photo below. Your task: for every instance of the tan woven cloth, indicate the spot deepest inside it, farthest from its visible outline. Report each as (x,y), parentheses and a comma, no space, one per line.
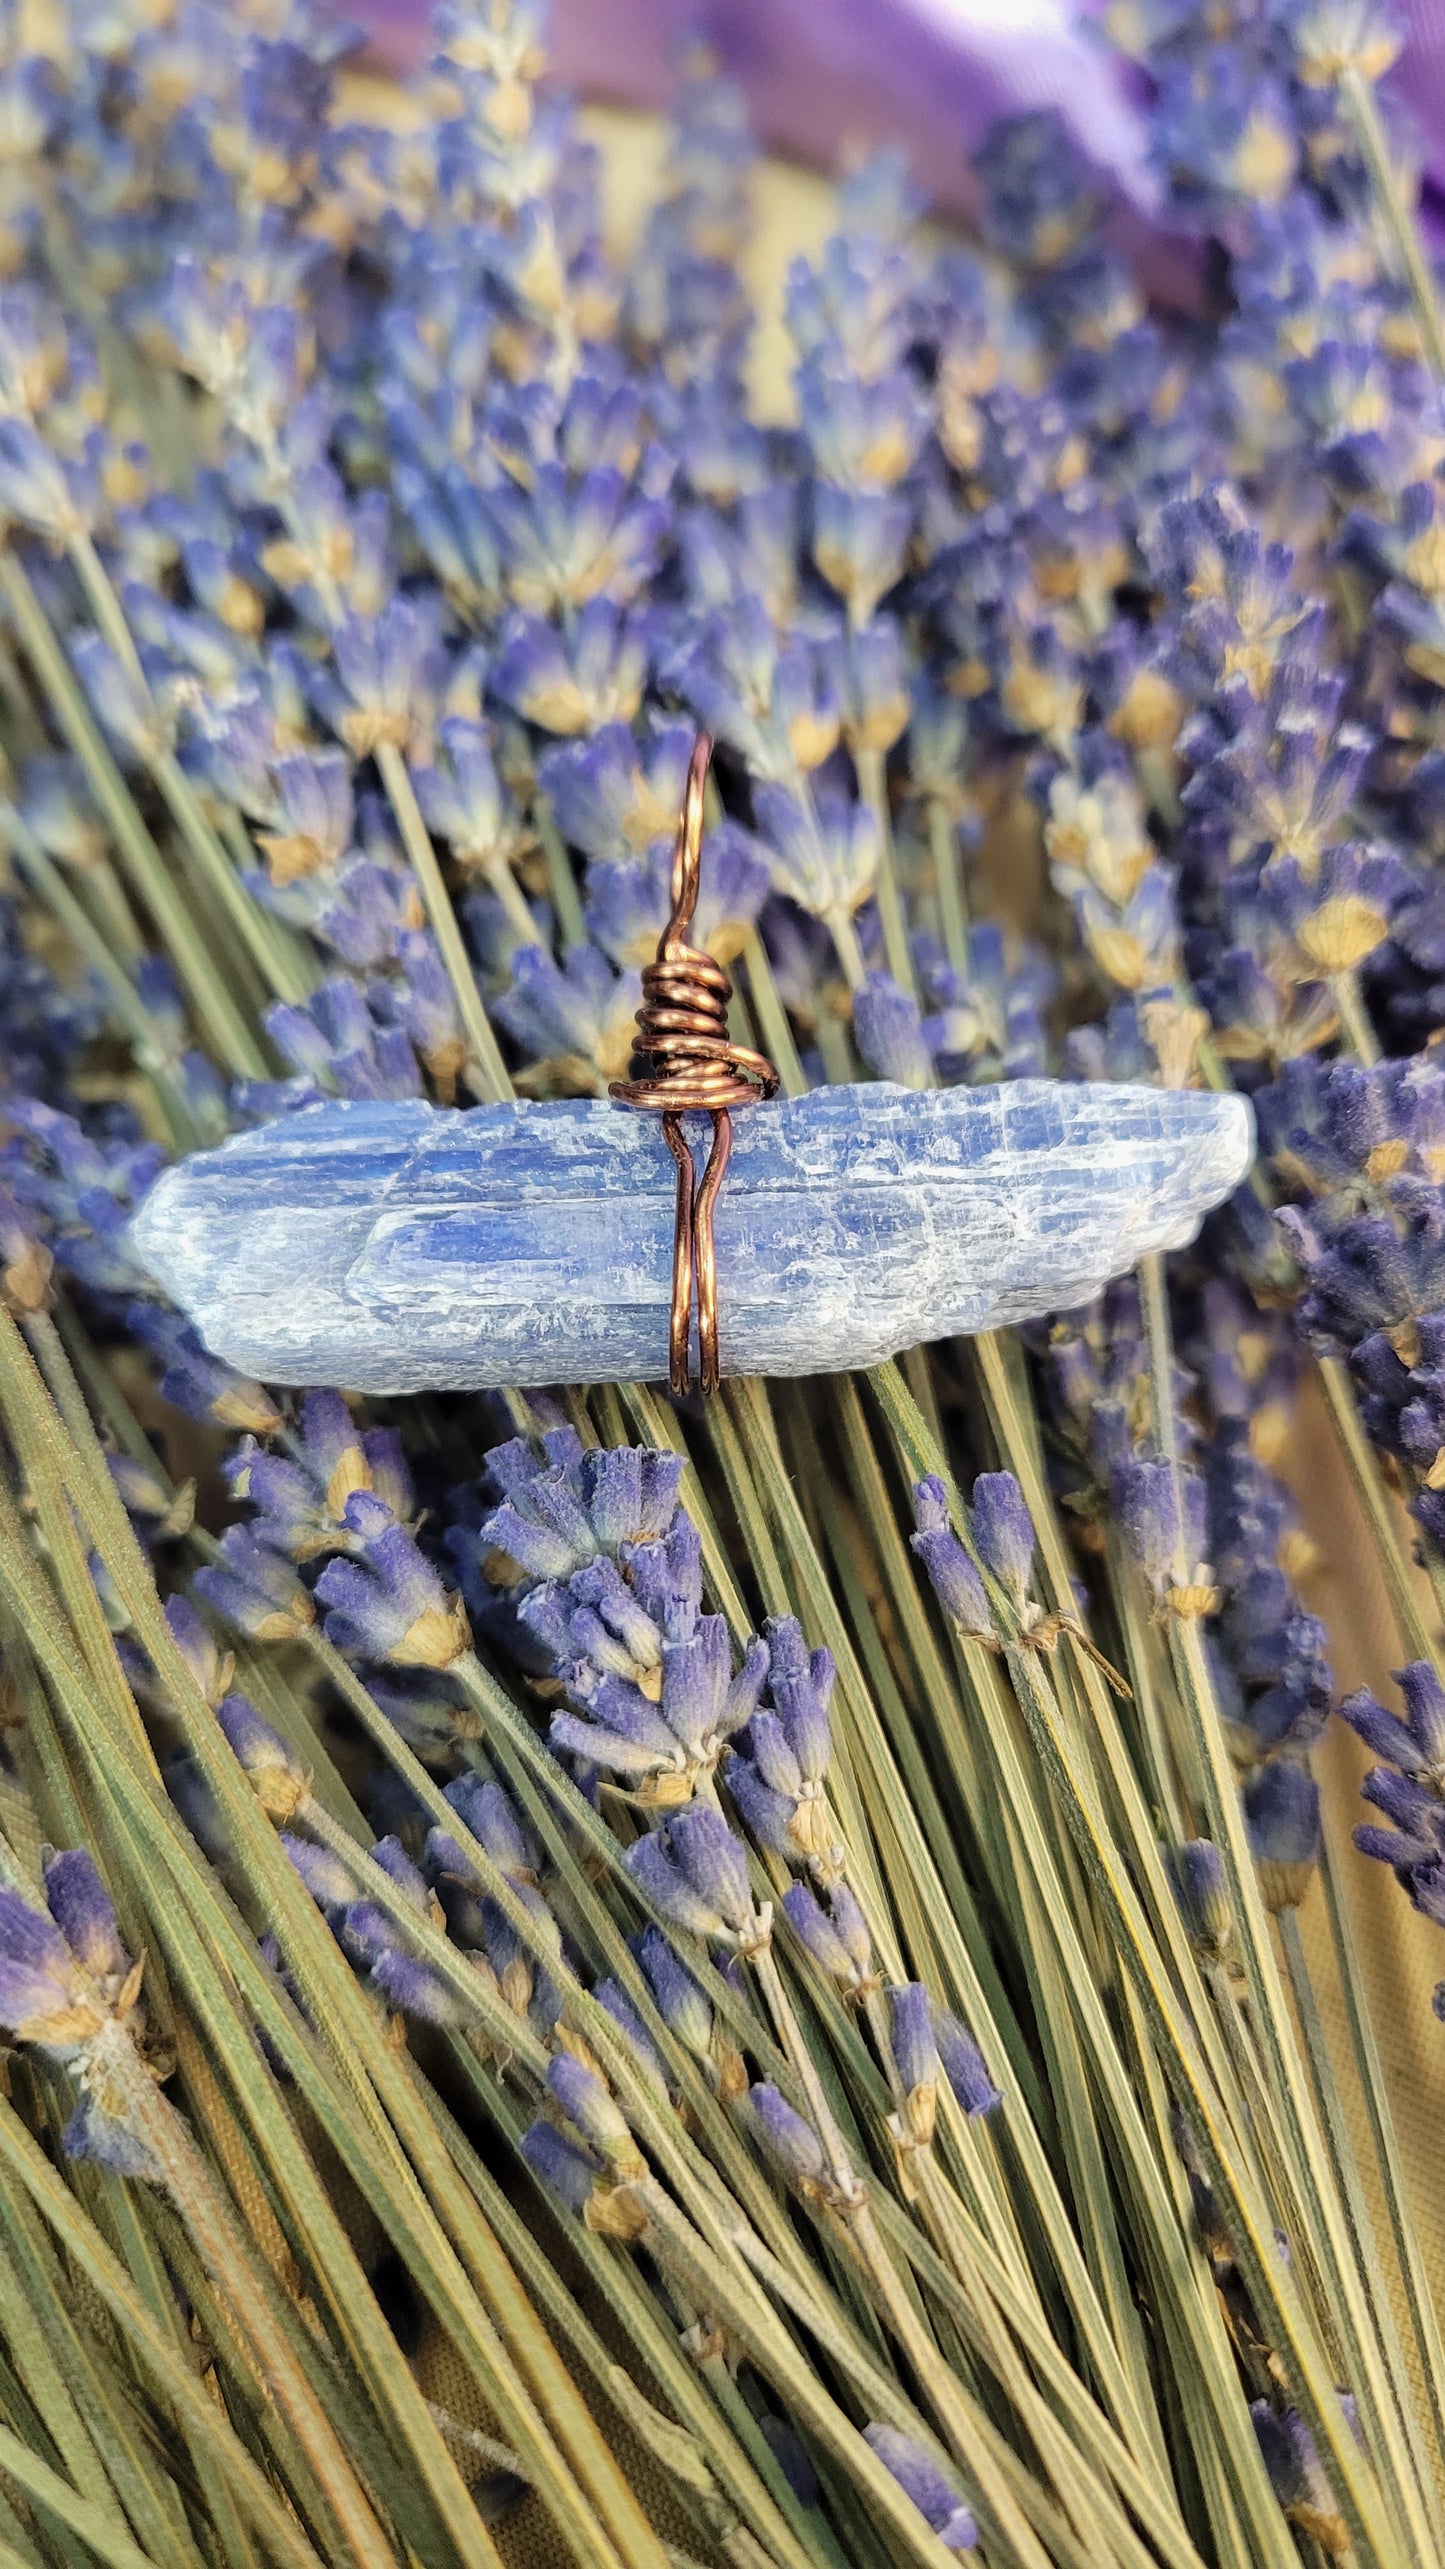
(1401,1956)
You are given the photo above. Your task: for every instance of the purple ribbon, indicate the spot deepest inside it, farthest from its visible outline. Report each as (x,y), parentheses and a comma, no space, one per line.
(820,73)
(931,74)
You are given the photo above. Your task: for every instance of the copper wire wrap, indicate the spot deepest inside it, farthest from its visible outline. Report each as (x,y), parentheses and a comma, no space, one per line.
(682,1028)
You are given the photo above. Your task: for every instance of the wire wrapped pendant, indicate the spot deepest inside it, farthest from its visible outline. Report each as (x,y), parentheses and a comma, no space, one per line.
(392,1246)
(682,1028)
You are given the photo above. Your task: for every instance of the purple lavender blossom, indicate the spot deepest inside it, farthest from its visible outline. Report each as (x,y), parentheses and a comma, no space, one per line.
(790,2142)
(953,1574)
(836,1939)
(680,2003)
(1197,1871)
(927,2484)
(583,2098)
(567,2168)
(963,2064)
(68,1986)
(915,2049)
(1282,1814)
(890,1033)
(388,1602)
(1291,2459)
(256,1589)
(695,1872)
(778,1778)
(1003,1531)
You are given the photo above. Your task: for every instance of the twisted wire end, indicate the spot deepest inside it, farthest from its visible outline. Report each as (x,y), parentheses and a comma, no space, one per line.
(682,1029)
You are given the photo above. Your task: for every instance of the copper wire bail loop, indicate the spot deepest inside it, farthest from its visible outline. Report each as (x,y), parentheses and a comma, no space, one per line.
(682,1028)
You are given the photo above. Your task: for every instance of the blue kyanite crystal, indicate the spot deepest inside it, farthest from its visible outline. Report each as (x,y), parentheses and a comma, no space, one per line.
(399,1248)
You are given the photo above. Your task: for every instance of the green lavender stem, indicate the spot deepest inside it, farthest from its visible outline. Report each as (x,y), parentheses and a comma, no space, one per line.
(948,877)
(1355,1025)
(107,911)
(34,2362)
(1154,1298)
(288,973)
(492,1078)
(122,998)
(54,2498)
(873,783)
(275,954)
(1374,1498)
(1361,2228)
(834,1049)
(773,2351)
(226,1028)
(772,1016)
(615,1955)
(745,2471)
(502,883)
(561,880)
(1255,2249)
(1178,2038)
(847,948)
(1326,2222)
(937,1932)
(895,2303)
(1363,109)
(153,2346)
(366,2067)
(156,2124)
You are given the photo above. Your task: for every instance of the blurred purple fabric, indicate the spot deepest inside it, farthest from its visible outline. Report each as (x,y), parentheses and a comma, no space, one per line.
(931,74)
(821,73)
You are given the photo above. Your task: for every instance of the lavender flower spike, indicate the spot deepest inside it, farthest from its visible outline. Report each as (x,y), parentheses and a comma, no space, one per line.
(396,1607)
(954,1576)
(68,1986)
(1003,1530)
(785,2136)
(396,1248)
(696,1872)
(915,2053)
(1282,1814)
(927,2484)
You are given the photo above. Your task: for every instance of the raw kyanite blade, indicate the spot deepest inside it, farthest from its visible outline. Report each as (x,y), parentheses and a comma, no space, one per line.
(400,1248)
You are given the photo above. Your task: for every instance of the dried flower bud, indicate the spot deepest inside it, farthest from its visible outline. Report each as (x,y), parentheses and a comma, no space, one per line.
(927,2484)
(788,2140)
(281,1783)
(916,2054)
(955,1576)
(1197,1871)
(1282,1812)
(586,2102)
(1004,1531)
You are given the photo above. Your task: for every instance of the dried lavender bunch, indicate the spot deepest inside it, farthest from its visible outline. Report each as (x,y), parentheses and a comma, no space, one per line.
(865,1924)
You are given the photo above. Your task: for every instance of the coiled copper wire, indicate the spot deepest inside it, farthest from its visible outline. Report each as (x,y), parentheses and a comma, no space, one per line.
(682,1027)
